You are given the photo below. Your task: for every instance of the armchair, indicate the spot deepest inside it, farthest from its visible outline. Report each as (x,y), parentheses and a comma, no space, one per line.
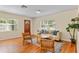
(26,37)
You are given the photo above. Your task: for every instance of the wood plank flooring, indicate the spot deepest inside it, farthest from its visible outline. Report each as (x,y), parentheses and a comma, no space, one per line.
(68,48)
(16,46)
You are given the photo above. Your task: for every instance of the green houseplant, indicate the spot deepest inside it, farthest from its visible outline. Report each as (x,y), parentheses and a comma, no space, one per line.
(73,26)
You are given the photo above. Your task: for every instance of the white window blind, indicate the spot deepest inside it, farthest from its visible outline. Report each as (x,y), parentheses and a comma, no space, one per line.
(48,24)
(7,24)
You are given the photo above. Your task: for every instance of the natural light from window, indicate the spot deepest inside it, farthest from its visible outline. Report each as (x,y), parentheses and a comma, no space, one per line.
(7,24)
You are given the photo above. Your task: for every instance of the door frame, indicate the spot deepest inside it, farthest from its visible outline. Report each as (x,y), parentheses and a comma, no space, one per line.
(29,25)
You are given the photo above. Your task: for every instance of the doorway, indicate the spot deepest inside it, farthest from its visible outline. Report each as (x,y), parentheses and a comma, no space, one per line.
(27,26)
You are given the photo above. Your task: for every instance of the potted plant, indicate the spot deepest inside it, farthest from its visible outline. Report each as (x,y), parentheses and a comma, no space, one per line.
(73,26)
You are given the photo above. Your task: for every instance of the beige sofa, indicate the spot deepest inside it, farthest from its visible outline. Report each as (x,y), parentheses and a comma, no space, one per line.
(53,37)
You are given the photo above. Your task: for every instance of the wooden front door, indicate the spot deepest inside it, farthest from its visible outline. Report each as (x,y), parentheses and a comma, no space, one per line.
(27,26)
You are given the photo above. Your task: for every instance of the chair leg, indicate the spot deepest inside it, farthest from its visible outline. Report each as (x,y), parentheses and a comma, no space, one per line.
(23,42)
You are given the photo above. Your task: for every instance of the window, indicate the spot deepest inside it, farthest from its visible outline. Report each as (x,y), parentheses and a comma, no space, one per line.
(7,24)
(48,24)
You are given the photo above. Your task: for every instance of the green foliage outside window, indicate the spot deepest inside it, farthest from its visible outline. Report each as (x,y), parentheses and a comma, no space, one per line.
(11,21)
(2,21)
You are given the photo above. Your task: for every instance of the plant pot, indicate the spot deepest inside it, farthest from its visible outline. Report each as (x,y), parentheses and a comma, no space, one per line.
(73,41)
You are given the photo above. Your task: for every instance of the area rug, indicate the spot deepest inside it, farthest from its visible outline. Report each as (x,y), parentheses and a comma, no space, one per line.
(58,46)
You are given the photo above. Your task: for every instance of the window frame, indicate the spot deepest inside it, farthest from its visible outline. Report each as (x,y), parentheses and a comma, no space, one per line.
(8,24)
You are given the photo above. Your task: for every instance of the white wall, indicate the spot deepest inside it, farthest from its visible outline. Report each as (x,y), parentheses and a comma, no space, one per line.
(61,18)
(20,26)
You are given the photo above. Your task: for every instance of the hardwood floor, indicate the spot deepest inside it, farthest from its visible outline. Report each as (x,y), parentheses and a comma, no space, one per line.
(16,46)
(68,48)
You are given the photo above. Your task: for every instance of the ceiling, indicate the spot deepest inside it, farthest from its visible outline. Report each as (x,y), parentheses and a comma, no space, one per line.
(30,11)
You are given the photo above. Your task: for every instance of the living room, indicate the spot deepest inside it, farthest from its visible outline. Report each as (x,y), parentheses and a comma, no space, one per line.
(43,19)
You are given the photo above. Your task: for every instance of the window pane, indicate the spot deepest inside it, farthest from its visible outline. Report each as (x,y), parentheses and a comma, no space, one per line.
(7,24)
